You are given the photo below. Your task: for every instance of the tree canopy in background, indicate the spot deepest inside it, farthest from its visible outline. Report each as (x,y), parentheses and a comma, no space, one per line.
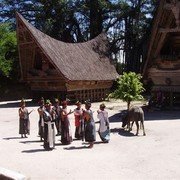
(126,22)
(8,51)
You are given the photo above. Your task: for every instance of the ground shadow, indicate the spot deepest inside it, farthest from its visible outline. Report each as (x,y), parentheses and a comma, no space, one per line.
(115,130)
(75,148)
(10,138)
(99,142)
(161,115)
(59,144)
(123,132)
(33,150)
(115,118)
(34,141)
(17,104)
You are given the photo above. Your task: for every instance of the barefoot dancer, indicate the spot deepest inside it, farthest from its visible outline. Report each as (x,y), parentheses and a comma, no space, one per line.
(90,130)
(49,134)
(58,110)
(103,131)
(24,125)
(78,120)
(41,120)
(66,137)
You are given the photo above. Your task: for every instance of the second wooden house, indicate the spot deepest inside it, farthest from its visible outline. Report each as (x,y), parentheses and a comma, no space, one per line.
(162,67)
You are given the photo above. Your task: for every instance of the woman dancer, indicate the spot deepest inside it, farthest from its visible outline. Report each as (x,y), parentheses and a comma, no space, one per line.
(90,130)
(24,125)
(66,137)
(103,131)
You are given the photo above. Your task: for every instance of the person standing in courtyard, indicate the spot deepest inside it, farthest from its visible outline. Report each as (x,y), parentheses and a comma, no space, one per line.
(24,124)
(58,110)
(41,120)
(90,129)
(78,121)
(103,131)
(49,134)
(66,137)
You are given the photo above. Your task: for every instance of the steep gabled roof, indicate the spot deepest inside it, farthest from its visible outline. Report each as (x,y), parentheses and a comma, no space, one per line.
(76,61)
(164,27)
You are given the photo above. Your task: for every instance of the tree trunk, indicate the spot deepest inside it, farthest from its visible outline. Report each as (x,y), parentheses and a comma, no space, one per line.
(128,105)
(96,19)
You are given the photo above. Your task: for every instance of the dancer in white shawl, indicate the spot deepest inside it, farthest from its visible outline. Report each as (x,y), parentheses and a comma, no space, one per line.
(103,131)
(49,134)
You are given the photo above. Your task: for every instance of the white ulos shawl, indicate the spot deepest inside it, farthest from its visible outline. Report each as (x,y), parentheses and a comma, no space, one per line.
(50,131)
(104,121)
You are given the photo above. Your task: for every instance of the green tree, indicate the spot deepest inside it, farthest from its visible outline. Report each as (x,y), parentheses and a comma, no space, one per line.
(129,88)
(8,51)
(127,23)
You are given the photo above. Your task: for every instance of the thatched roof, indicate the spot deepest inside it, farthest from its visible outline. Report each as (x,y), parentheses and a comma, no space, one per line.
(75,61)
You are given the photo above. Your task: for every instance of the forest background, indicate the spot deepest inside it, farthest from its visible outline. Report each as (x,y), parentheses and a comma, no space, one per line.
(127,24)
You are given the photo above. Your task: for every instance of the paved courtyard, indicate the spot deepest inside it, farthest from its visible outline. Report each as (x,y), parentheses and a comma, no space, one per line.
(155,156)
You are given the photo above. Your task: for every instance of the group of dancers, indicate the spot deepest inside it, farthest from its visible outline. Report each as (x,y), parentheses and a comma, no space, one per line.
(57,116)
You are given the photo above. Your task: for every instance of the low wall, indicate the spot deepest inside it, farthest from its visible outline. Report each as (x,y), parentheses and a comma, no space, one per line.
(6,174)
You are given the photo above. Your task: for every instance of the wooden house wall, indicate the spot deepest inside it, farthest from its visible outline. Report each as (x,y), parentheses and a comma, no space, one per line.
(161,77)
(92,90)
(82,92)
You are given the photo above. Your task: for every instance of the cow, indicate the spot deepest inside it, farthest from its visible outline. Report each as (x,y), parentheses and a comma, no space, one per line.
(135,114)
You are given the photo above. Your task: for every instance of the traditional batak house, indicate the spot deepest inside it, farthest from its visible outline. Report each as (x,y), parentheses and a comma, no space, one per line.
(78,71)
(163,59)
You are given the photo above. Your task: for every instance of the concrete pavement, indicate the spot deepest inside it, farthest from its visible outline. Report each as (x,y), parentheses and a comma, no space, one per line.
(155,156)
